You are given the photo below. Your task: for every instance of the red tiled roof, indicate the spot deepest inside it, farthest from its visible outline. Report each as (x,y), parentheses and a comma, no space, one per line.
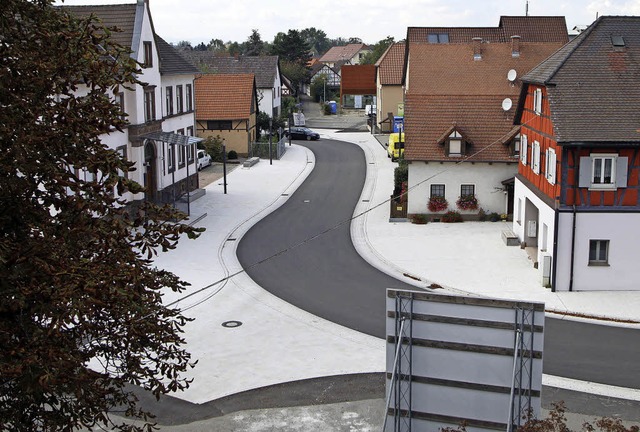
(225,97)
(448,88)
(390,65)
(358,79)
(342,52)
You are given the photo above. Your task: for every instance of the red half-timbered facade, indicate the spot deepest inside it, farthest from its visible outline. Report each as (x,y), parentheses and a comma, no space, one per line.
(576,193)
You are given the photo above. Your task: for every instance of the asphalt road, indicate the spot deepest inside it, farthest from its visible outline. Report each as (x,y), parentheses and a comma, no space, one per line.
(322,273)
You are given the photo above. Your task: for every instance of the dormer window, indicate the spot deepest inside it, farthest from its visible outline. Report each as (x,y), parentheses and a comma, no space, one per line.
(617,41)
(515,146)
(455,144)
(438,38)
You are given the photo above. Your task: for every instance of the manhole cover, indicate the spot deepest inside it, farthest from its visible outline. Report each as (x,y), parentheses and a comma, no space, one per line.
(231,324)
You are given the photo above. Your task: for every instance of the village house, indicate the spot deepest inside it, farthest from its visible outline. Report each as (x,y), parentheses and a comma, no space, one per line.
(226,107)
(389,91)
(577,201)
(350,54)
(460,101)
(159,138)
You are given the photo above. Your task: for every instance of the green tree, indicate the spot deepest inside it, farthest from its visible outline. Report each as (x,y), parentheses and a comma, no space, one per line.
(81,313)
(291,47)
(296,72)
(216,45)
(316,39)
(184,45)
(254,46)
(234,48)
(319,88)
(377,50)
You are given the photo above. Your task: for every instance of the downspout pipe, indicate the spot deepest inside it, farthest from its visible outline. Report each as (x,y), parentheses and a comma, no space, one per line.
(573,246)
(556,219)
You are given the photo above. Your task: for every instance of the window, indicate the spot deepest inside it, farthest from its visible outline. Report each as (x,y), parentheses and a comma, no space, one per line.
(181,150)
(148,54)
(455,144)
(550,169)
(598,252)
(523,149)
(179,103)
(149,104)
(169,100)
(467,189)
(437,190)
(515,146)
(219,124)
(519,214)
(171,148)
(121,103)
(537,101)
(603,171)
(192,148)
(189,97)
(535,157)
(122,151)
(438,38)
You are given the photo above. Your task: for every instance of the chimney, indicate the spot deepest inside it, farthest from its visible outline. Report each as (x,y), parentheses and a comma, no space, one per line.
(515,46)
(477,48)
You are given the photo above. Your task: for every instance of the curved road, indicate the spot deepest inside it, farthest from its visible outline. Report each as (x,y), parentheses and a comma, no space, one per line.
(327,277)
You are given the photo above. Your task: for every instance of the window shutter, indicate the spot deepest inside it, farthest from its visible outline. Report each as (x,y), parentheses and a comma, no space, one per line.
(535,157)
(585,172)
(524,150)
(551,166)
(621,171)
(463,147)
(446,148)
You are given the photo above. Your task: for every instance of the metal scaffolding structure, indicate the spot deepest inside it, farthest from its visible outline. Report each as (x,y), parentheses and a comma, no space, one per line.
(402,372)
(520,402)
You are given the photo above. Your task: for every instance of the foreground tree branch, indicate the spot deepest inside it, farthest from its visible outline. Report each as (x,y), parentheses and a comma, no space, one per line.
(81,312)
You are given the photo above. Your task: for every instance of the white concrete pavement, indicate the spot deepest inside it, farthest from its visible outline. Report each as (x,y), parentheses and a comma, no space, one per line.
(278,342)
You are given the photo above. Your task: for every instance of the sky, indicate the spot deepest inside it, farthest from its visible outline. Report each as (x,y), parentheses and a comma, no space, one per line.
(370,20)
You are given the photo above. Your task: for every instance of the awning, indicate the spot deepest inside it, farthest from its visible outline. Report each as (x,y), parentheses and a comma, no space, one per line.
(173,138)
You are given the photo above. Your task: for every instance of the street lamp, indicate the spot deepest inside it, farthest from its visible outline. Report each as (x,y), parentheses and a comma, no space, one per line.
(270,155)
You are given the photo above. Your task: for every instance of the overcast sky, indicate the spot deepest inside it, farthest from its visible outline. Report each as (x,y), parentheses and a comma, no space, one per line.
(370,20)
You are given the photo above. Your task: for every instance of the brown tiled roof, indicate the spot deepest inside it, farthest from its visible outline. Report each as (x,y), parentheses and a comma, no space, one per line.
(338,53)
(225,96)
(264,68)
(535,28)
(121,16)
(358,79)
(529,28)
(390,65)
(593,86)
(480,119)
(447,87)
(171,61)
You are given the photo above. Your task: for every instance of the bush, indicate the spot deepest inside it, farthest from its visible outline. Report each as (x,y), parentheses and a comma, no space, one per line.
(437,204)
(213,146)
(326,109)
(494,217)
(400,175)
(467,202)
(452,216)
(232,154)
(482,215)
(419,219)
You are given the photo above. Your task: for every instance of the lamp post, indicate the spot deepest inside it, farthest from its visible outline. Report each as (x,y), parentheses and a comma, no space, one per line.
(270,154)
(224,166)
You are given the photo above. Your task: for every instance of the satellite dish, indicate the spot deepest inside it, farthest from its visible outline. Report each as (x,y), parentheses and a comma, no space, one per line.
(507,104)
(512,75)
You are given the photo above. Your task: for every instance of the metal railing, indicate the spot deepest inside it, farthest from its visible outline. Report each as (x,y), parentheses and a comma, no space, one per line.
(261,149)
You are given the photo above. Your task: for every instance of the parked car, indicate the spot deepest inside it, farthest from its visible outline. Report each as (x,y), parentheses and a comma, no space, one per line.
(302,133)
(204,160)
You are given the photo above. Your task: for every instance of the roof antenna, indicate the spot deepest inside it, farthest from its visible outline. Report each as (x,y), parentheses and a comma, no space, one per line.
(526,11)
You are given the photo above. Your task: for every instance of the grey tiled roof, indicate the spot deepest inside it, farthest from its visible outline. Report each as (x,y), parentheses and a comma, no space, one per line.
(120,16)
(593,86)
(171,61)
(263,67)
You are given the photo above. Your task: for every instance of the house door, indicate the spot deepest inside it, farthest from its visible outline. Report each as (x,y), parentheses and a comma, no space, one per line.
(150,174)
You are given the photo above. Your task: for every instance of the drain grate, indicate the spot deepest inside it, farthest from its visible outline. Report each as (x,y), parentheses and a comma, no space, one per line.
(284,195)
(231,239)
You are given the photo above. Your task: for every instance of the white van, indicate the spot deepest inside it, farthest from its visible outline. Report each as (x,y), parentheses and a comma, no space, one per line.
(204,160)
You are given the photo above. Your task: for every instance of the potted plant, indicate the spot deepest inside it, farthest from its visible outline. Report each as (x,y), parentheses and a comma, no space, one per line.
(467,202)
(452,216)
(437,204)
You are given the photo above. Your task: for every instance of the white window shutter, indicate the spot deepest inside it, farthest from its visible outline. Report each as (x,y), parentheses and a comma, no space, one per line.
(585,172)
(524,149)
(551,166)
(535,157)
(621,171)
